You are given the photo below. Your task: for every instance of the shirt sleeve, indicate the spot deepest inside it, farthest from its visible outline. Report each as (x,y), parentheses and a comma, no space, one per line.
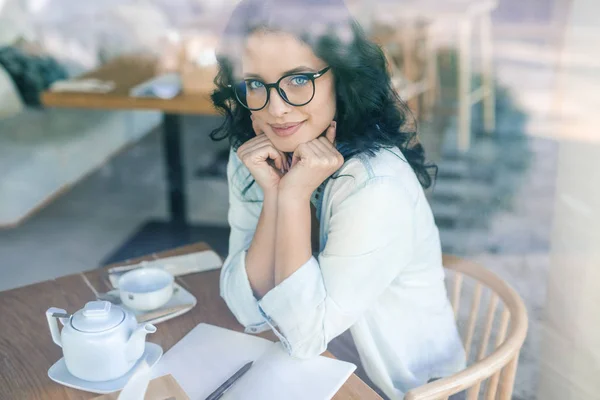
(243,218)
(369,241)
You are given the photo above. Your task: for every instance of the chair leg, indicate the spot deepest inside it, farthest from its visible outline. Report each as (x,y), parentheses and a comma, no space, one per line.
(489,99)
(431,73)
(464,87)
(409,61)
(507,382)
(492,384)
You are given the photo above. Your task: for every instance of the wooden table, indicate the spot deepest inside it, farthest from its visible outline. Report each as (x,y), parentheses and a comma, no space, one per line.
(27,350)
(127,72)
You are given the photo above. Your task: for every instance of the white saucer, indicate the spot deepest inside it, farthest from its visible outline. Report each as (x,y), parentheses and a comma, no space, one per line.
(60,374)
(180,297)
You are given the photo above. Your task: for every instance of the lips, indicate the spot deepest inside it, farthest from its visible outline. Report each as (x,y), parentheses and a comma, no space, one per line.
(286,129)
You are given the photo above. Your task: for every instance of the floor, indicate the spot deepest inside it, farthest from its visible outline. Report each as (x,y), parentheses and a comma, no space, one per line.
(495,204)
(87,224)
(505,221)
(507,229)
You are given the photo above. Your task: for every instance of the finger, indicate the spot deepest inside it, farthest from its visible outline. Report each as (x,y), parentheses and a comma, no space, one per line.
(278,161)
(332,151)
(328,152)
(253,143)
(305,151)
(319,149)
(286,161)
(328,148)
(299,154)
(256,143)
(325,144)
(277,157)
(295,160)
(262,149)
(331,132)
(269,152)
(283,161)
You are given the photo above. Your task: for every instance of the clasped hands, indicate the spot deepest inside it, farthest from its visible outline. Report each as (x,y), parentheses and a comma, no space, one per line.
(311,164)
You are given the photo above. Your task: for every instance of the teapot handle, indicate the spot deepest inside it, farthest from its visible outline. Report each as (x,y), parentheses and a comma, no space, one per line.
(51,316)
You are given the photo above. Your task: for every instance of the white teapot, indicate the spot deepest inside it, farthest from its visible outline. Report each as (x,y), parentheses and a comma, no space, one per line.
(100,342)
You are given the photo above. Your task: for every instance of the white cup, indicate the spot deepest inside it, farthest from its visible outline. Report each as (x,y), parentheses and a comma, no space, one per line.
(146,289)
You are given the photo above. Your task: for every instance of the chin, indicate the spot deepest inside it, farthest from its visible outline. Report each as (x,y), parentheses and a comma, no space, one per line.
(290,143)
(287,147)
(285,144)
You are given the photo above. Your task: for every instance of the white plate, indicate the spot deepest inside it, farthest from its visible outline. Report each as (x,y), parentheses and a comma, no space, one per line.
(60,374)
(165,86)
(206,260)
(180,297)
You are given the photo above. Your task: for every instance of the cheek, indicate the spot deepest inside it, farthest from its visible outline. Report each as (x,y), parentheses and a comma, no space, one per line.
(322,109)
(327,95)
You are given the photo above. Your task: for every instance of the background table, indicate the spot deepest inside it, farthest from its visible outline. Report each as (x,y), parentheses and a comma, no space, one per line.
(27,349)
(127,72)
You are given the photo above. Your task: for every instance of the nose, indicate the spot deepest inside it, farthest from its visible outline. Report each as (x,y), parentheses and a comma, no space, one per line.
(277,107)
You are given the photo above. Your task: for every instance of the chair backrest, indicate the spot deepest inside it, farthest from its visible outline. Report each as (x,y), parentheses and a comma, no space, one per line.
(494,371)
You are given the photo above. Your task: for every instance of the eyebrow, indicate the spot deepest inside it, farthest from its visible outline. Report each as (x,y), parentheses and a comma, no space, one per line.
(291,71)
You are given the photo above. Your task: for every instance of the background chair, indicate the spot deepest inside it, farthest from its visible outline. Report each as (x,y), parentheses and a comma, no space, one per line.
(439,20)
(494,371)
(412,63)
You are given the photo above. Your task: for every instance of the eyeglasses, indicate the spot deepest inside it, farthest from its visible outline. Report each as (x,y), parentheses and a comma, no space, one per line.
(296,89)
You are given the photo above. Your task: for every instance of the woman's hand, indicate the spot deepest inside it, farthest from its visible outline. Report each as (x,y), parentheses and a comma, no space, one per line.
(312,163)
(266,164)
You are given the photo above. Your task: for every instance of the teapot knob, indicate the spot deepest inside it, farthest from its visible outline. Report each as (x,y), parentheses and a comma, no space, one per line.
(96,309)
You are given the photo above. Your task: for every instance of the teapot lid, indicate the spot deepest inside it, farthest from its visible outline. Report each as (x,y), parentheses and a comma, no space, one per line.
(97,316)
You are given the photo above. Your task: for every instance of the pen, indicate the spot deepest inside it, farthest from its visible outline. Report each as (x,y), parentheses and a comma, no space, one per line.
(229,383)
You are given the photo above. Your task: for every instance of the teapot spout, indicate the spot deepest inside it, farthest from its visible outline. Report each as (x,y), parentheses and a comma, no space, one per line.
(137,340)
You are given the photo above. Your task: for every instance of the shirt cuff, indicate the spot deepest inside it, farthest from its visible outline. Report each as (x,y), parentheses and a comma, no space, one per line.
(293,301)
(240,297)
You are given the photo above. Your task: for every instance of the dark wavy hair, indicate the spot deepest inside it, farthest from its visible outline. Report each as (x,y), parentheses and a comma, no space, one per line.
(370,114)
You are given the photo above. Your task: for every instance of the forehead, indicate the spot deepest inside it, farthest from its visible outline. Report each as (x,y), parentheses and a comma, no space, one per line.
(270,54)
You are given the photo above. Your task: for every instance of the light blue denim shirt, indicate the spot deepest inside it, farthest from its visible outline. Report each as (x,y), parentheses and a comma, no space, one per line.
(378,273)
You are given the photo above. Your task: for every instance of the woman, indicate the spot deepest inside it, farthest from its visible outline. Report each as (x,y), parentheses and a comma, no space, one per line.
(319,150)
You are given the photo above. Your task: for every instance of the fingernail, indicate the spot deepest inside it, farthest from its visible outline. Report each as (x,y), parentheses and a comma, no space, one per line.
(334,124)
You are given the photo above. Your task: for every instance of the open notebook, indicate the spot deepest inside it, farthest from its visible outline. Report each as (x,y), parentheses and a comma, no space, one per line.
(209,355)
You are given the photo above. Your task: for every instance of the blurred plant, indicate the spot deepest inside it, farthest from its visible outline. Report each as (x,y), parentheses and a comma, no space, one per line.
(31,73)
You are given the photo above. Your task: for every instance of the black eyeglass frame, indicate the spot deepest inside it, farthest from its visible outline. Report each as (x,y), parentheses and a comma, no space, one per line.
(312,76)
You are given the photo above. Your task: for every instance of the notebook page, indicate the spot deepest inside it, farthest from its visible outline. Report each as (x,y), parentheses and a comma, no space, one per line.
(207,356)
(277,376)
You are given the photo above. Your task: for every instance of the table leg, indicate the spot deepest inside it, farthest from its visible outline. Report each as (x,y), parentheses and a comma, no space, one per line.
(174,169)
(158,235)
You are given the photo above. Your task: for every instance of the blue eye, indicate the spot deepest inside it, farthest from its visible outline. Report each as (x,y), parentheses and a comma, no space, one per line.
(254,85)
(299,80)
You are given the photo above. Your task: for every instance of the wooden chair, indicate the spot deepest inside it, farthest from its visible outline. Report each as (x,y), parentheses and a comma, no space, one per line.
(494,371)
(413,70)
(443,18)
